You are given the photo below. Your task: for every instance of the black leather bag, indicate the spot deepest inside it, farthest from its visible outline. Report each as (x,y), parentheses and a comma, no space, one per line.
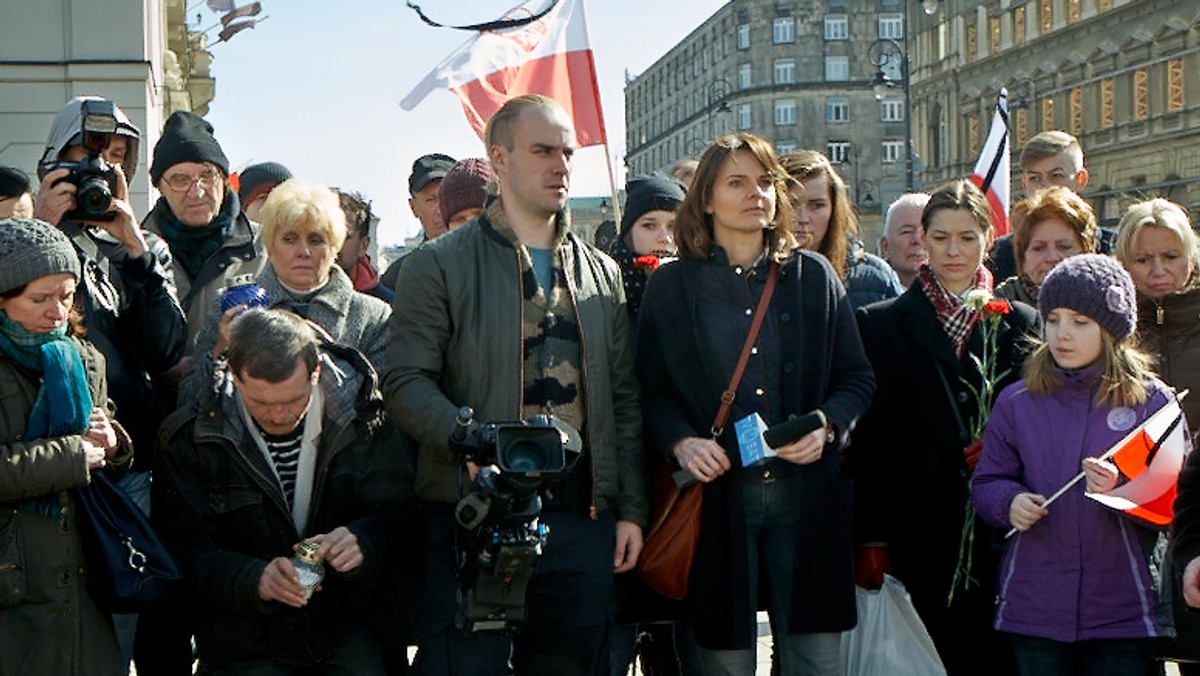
(129,565)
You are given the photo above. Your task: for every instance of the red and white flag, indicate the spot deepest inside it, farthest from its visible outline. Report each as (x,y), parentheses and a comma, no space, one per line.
(993,171)
(252,9)
(550,56)
(1151,456)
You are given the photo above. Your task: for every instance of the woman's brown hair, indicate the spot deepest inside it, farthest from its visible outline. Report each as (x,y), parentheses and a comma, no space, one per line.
(694,223)
(804,165)
(960,194)
(1056,202)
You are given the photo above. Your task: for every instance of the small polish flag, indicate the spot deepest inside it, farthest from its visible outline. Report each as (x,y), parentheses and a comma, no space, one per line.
(993,170)
(1152,459)
(550,56)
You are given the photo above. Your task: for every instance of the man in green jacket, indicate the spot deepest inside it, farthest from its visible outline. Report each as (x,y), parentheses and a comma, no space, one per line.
(514,316)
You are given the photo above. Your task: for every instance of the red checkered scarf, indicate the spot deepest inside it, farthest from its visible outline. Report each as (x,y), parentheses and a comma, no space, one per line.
(956,318)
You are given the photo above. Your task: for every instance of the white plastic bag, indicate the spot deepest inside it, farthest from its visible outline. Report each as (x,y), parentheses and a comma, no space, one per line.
(890,639)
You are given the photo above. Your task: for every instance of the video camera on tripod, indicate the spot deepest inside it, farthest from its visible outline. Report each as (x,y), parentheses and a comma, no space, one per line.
(502,536)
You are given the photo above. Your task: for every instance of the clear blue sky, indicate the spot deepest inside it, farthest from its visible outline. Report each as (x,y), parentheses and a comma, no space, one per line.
(317,86)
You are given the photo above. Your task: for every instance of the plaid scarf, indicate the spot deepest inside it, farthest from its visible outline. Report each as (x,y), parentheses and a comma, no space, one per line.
(956,318)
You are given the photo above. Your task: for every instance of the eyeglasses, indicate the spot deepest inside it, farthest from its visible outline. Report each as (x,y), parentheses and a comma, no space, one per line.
(182,182)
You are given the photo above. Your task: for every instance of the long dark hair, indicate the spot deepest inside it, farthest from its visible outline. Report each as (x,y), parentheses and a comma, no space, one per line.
(803,165)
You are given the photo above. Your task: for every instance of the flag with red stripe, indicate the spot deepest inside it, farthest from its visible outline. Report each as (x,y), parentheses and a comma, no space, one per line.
(993,171)
(550,56)
(1151,457)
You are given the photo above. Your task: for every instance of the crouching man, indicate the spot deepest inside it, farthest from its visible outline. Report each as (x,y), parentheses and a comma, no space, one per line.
(289,447)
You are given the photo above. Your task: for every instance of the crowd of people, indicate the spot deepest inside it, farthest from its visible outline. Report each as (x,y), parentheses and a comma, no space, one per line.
(324,407)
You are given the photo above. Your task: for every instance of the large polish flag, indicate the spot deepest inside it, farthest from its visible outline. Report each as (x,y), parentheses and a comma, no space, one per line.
(993,171)
(550,56)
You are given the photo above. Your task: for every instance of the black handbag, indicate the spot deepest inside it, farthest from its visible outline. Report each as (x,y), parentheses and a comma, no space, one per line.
(129,565)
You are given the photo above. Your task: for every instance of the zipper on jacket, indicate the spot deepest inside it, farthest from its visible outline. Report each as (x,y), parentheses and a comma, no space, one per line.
(593,512)
(1158,313)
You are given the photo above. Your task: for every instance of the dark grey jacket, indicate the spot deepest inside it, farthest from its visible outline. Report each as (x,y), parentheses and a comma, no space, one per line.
(456,341)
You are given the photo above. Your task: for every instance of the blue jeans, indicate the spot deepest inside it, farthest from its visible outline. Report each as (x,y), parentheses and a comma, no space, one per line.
(1107,657)
(770,509)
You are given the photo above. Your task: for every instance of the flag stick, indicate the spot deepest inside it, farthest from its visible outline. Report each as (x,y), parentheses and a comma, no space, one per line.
(612,186)
(1107,454)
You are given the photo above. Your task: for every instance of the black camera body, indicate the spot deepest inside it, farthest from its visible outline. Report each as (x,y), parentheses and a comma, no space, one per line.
(502,535)
(94,178)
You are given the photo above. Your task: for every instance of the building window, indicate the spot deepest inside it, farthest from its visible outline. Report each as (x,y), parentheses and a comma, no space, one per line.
(1106,104)
(1019,25)
(783,30)
(1076,105)
(785,112)
(745,118)
(785,147)
(837,27)
(1046,16)
(1104,5)
(891,27)
(1048,114)
(743,36)
(837,68)
(744,76)
(1175,94)
(993,35)
(838,151)
(785,71)
(891,110)
(973,136)
(893,151)
(972,43)
(1072,11)
(837,111)
(1022,127)
(1141,94)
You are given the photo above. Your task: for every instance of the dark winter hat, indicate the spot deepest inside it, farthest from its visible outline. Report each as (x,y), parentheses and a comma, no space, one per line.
(257,179)
(1094,285)
(13,182)
(31,249)
(464,186)
(187,137)
(428,168)
(652,192)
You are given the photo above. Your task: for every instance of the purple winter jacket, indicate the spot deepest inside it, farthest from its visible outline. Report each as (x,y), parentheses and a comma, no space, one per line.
(1082,571)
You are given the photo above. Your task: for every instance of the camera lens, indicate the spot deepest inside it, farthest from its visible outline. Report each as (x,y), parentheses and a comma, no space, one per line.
(93,196)
(528,455)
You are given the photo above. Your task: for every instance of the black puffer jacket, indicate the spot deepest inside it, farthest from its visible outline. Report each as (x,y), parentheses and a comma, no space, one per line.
(220,506)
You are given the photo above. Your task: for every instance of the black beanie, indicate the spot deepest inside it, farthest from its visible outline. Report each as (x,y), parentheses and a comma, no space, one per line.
(259,178)
(650,193)
(187,137)
(13,182)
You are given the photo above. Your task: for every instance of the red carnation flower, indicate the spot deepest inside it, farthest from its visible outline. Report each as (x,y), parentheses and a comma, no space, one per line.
(997,306)
(649,262)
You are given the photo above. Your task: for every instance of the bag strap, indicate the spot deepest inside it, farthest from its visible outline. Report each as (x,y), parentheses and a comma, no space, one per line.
(730,392)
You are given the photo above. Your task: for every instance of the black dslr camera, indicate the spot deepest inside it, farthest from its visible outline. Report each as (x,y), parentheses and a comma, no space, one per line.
(502,536)
(93,177)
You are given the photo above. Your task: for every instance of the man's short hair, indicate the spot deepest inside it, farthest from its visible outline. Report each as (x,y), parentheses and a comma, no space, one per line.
(358,211)
(499,129)
(1051,144)
(909,200)
(265,344)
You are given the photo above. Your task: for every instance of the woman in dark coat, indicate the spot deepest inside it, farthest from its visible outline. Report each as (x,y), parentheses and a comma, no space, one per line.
(790,516)
(913,454)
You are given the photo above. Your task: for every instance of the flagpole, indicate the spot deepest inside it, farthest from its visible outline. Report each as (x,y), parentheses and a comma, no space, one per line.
(1112,450)
(612,187)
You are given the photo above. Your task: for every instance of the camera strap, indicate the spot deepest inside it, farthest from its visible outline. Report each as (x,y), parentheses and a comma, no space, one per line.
(730,392)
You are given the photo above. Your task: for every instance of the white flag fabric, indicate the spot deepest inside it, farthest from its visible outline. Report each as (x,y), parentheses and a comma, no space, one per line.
(1152,460)
(993,171)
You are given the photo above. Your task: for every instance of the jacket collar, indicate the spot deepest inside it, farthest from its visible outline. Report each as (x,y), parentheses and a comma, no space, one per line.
(495,223)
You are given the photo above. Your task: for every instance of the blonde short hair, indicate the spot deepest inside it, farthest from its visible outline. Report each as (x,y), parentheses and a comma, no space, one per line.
(1158,213)
(295,202)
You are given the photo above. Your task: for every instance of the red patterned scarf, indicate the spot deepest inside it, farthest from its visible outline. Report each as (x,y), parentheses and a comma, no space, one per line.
(956,318)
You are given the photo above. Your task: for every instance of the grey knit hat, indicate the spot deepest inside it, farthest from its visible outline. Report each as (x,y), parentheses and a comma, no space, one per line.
(1093,285)
(31,249)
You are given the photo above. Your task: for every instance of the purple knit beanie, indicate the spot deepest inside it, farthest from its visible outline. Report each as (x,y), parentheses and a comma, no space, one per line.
(1093,285)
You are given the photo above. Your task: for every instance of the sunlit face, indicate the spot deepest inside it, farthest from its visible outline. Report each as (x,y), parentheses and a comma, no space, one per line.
(743,196)
(1051,240)
(278,408)
(194,191)
(427,209)
(535,175)
(1075,340)
(1051,171)
(20,206)
(814,208)
(463,216)
(301,256)
(44,304)
(653,233)
(354,247)
(903,244)
(956,246)
(1160,264)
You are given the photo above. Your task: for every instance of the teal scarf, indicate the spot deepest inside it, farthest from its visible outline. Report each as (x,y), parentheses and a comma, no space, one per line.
(192,246)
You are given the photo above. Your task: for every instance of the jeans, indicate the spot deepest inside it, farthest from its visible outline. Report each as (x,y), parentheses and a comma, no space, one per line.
(566,632)
(1101,657)
(358,657)
(770,509)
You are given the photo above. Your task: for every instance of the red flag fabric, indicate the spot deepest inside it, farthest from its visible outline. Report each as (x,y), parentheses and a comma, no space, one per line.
(1151,458)
(253,9)
(550,56)
(993,170)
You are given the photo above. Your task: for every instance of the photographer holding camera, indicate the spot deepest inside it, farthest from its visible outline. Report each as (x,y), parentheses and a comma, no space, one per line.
(513,315)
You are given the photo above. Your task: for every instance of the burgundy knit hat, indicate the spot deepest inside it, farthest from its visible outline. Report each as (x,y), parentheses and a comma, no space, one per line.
(464,187)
